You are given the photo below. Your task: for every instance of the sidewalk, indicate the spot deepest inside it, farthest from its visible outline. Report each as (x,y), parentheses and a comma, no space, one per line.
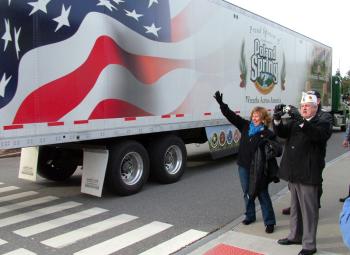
(252,239)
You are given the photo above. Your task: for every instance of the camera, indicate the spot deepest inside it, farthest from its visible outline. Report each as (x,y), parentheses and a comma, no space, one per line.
(286,109)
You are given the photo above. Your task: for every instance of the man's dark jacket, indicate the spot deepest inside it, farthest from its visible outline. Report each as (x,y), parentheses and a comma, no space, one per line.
(303,159)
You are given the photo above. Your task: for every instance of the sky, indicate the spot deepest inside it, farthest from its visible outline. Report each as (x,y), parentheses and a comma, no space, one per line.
(325,21)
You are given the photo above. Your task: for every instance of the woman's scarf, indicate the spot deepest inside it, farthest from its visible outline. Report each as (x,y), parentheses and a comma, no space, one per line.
(255,129)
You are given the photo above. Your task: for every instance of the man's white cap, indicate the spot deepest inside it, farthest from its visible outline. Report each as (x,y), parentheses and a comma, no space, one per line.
(307,98)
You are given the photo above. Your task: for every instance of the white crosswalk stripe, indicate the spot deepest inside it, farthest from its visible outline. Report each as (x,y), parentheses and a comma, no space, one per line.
(81,233)
(17,195)
(9,188)
(119,242)
(2,242)
(176,243)
(55,223)
(20,251)
(16,206)
(37,213)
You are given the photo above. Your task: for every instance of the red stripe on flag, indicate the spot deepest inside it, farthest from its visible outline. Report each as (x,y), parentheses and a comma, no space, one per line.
(180,115)
(114,108)
(207,113)
(167,116)
(55,99)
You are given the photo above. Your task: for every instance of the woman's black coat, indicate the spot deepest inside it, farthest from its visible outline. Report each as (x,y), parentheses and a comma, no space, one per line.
(264,167)
(250,156)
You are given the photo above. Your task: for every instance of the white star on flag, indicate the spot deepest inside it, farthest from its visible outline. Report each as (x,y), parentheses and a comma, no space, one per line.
(118,1)
(133,14)
(107,4)
(17,33)
(152,29)
(62,20)
(3,84)
(152,2)
(40,5)
(7,35)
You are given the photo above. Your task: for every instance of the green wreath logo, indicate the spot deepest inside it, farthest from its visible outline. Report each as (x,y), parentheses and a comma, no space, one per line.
(283,73)
(243,67)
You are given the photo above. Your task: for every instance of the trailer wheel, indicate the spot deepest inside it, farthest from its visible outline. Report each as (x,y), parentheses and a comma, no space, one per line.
(128,168)
(58,164)
(168,158)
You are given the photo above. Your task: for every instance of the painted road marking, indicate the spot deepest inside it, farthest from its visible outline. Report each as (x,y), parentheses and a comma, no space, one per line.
(55,223)
(9,188)
(119,242)
(2,242)
(37,201)
(37,213)
(106,247)
(20,252)
(17,195)
(84,232)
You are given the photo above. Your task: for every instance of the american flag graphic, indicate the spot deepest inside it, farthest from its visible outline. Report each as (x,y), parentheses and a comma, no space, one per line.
(97,59)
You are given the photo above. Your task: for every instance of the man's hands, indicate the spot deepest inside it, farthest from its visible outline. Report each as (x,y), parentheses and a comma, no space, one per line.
(292,111)
(295,115)
(218,97)
(278,111)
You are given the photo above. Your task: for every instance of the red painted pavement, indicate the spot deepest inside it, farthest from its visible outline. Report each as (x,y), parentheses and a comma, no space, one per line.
(224,249)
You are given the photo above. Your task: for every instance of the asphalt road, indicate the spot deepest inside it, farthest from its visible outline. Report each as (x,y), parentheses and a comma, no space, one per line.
(207,198)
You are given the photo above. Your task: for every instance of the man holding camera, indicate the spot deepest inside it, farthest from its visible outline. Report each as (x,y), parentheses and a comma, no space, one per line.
(302,164)
(324,116)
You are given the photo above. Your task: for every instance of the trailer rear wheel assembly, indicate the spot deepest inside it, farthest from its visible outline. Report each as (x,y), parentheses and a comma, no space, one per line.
(168,158)
(128,168)
(58,164)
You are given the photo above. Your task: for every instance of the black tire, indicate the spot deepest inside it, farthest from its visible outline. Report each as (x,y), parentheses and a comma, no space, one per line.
(57,164)
(168,157)
(128,168)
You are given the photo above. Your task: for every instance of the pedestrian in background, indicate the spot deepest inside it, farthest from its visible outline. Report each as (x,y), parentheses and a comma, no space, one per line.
(255,134)
(323,116)
(302,164)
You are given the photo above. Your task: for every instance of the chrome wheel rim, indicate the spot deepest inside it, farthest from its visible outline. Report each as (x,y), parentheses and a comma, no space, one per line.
(131,168)
(173,160)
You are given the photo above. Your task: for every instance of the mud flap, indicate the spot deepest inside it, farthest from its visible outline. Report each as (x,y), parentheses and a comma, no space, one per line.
(94,170)
(28,163)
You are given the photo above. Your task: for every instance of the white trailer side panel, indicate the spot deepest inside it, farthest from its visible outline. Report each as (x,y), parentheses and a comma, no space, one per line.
(102,76)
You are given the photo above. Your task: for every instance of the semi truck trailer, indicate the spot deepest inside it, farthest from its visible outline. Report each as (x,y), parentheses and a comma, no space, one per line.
(118,88)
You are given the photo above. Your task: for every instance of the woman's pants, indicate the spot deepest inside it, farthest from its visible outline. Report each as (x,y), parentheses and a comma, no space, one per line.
(264,199)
